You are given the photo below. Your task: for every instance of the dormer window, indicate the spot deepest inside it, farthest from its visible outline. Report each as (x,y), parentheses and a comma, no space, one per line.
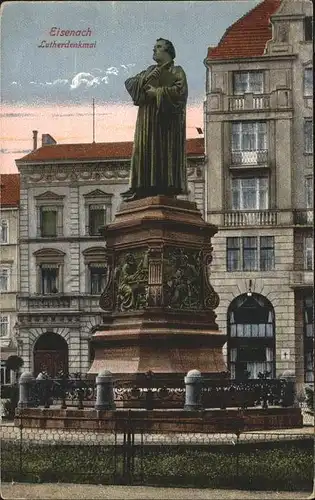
(248,82)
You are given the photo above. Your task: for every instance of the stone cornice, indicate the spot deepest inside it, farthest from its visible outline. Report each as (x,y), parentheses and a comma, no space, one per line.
(110,172)
(266,57)
(61,239)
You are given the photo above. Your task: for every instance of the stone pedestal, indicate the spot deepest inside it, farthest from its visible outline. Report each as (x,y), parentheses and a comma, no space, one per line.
(158,302)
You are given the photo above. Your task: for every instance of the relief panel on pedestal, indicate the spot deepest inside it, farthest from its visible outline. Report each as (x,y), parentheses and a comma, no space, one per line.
(182,278)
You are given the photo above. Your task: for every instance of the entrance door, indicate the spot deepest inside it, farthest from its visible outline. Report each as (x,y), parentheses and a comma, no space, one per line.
(50,354)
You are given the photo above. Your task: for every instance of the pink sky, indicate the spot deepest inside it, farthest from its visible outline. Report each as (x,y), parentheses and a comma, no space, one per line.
(117,124)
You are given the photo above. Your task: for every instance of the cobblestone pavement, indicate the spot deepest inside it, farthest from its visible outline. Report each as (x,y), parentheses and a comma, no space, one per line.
(19,491)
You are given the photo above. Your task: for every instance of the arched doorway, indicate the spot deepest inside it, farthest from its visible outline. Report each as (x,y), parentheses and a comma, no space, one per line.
(251,337)
(50,354)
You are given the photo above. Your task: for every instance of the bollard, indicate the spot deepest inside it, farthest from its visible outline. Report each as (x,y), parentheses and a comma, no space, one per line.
(290,395)
(104,391)
(26,389)
(193,383)
(43,384)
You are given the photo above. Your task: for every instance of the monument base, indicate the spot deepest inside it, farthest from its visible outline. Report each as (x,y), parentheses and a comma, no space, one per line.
(158,301)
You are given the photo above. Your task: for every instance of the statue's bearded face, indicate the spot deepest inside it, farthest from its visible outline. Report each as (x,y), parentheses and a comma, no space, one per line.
(160,53)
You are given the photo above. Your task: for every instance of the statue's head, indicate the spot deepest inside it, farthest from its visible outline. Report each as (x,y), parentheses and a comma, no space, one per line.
(163,51)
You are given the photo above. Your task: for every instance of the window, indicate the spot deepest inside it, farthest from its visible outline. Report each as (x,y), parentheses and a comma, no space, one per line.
(49,274)
(49,263)
(250,193)
(309,253)
(309,192)
(233,254)
(308,29)
(48,221)
(267,253)
(95,260)
(4,280)
(308,339)
(250,253)
(98,273)
(250,336)
(308,135)
(4,326)
(308,82)
(49,215)
(4,231)
(248,82)
(97,219)
(249,136)
(7,376)
(97,211)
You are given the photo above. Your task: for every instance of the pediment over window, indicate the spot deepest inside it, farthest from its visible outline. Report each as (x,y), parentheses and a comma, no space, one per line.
(49,195)
(97,193)
(95,254)
(49,253)
(94,250)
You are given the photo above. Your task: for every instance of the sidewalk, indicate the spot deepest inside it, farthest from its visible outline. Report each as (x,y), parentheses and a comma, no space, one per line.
(63,491)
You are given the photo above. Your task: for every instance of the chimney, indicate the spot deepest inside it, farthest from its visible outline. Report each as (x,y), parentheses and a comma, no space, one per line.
(35,133)
(48,140)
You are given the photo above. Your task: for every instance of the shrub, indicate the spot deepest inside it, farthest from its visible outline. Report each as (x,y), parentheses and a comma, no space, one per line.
(310,400)
(12,399)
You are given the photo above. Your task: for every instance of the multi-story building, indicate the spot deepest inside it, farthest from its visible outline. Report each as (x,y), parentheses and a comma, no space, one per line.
(9,280)
(67,192)
(259,150)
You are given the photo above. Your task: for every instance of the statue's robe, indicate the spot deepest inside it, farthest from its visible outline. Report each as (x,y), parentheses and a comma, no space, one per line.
(158,159)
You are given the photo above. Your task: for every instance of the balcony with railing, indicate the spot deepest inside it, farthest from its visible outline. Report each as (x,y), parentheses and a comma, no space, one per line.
(258,157)
(248,101)
(59,302)
(44,302)
(217,101)
(250,218)
(303,217)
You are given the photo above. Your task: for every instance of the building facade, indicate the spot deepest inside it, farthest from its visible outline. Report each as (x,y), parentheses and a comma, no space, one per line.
(67,193)
(259,188)
(9,269)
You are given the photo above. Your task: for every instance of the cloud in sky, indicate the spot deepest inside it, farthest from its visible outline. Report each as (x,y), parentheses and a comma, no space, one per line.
(86,79)
(124,32)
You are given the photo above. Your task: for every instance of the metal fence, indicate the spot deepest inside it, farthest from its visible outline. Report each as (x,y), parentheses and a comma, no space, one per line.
(153,392)
(130,453)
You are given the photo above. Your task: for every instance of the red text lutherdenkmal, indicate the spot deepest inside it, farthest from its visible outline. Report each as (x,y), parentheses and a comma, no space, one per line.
(59,32)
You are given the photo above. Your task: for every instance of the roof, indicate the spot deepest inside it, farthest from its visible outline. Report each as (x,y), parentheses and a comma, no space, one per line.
(10,190)
(97,151)
(248,36)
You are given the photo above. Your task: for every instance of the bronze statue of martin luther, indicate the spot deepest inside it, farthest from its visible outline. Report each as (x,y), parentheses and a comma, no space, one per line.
(158,160)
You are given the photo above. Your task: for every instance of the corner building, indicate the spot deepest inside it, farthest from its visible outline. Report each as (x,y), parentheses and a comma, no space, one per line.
(68,191)
(259,188)
(9,270)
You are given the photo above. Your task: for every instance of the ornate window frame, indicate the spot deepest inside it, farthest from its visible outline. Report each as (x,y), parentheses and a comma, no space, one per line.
(93,257)
(53,258)
(5,269)
(95,198)
(5,320)
(49,201)
(4,223)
